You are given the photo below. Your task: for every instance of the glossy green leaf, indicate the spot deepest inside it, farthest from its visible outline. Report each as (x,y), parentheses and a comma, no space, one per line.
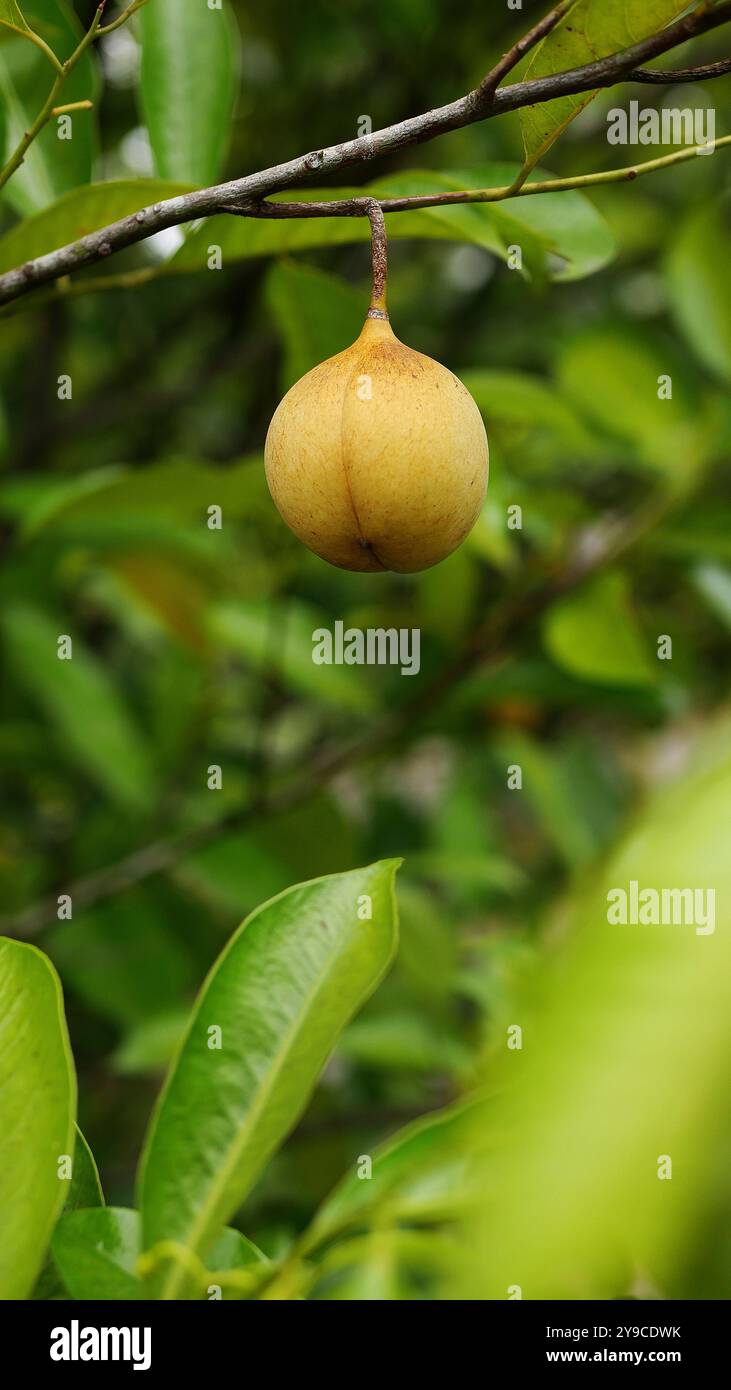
(280,994)
(565,224)
(190,62)
(51,165)
(96,1251)
(317,315)
(92,725)
(81,211)
(38,1104)
(594,634)
(592,29)
(699,286)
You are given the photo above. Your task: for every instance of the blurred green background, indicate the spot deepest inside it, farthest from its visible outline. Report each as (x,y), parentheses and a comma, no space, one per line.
(192,647)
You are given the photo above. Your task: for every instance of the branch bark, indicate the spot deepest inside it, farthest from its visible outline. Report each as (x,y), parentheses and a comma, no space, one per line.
(477,105)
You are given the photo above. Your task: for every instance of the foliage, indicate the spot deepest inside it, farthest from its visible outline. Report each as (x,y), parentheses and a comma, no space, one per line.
(192,650)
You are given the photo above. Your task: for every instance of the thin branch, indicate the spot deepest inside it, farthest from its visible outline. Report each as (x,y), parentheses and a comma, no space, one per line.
(357,207)
(295,173)
(483,95)
(672,75)
(63,70)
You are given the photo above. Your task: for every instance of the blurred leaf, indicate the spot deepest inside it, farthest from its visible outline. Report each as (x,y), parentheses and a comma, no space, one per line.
(85,1189)
(526,400)
(699,286)
(76,213)
(594,634)
(96,1252)
(592,29)
(317,315)
(625,1059)
(421,1174)
(125,959)
(38,1086)
(286,985)
(232,1250)
(714,583)
(614,377)
(83,704)
(403,1042)
(51,165)
(278,637)
(190,61)
(566,224)
(150,1046)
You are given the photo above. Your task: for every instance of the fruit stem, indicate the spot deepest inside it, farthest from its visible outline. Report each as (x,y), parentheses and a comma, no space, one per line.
(379,259)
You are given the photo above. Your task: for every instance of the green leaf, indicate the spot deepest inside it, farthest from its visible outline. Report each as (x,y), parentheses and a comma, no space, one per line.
(420,1175)
(10,14)
(233,1250)
(527,401)
(700,289)
(282,991)
(713,582)
(190,63)
(96,1251)
(84,1190)
(125,959)
(615,377)
(51,165)
(592,29)
(317,315)
(279,637)
(81,211)
(626,1048)
(38,1089)
(81,701)
(564,224)
(594,634)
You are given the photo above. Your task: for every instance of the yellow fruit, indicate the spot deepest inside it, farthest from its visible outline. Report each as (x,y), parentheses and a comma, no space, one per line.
(377,459)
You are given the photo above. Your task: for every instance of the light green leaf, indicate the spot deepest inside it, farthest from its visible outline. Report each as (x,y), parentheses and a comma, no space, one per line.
(594,634)
(10,15)
(616,378)
(233,1250)
(527,401)
(317,315)
(82,702)
(96,1251)
(38,1093)
(564,224)
(81,211)
(84,1190)
(713,581)
(700,288)
(190,63)
(289,980)
(420,1175)
(592,29)
(51,165)
(626,1048)
(280,636)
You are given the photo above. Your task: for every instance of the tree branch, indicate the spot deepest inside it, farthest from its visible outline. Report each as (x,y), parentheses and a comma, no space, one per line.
(298,172)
